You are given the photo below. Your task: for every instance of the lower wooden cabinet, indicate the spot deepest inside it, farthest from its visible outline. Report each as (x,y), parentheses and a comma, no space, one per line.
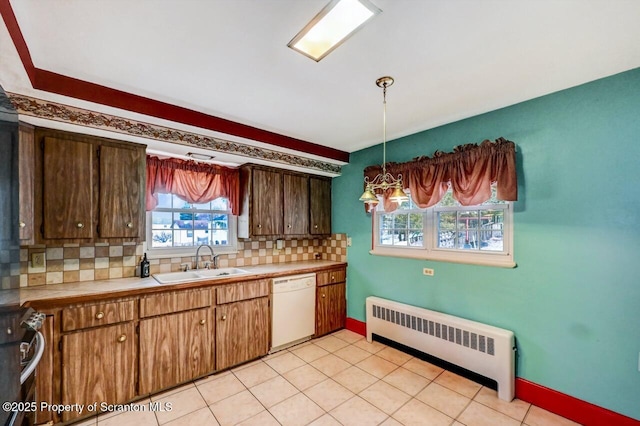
(115,350)
(331,308)
(99,365)
(175,348)
(242,331)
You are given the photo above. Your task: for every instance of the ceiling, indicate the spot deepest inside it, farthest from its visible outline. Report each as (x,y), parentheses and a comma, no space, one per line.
(451,59)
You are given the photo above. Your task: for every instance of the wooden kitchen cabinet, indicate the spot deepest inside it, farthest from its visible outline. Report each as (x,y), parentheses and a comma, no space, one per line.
(331,303)
(177,338)
(99,365)
(88,189)
(320,206)
(121,195)
(283,203)
(67,193)
(242,323)
(295,204)
(47,373)
(176,348)
(266,212)
(26,172)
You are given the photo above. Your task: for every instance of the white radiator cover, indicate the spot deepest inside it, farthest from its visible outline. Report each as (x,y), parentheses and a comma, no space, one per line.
(483,349)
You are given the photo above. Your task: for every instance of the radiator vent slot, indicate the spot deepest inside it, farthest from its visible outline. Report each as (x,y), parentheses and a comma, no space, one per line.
(444,331)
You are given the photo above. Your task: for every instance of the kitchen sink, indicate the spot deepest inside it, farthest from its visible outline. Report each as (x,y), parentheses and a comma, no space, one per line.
(197,275)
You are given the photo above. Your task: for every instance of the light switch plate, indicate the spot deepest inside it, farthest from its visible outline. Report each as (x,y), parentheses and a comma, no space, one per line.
(428,271)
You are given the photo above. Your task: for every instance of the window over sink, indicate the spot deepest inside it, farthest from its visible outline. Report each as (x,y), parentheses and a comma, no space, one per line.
(176,227)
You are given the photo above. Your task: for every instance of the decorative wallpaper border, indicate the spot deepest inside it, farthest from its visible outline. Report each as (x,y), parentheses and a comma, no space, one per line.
(78,116)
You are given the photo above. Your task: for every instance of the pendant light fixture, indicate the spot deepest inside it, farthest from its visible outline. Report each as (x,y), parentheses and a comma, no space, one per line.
(384,180)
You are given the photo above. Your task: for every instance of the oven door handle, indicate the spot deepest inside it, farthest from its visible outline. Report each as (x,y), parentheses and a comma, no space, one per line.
(26,371)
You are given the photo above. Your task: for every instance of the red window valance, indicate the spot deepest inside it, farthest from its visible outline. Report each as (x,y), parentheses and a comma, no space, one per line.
(193,182)
(470,170)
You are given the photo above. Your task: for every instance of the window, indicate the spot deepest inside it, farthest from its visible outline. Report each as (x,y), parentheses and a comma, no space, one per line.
(176,227)
(479,234)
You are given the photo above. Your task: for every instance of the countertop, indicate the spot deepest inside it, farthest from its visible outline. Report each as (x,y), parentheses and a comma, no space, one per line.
(95,290)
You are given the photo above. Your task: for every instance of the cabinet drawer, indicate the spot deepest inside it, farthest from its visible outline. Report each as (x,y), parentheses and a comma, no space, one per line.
(86,316)
(331,277)
(175,301)
(242,291)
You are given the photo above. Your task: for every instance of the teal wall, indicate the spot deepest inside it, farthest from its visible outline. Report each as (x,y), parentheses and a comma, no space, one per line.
(573,301)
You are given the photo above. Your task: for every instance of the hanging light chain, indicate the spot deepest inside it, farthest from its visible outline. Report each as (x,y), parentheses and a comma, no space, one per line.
(384,180)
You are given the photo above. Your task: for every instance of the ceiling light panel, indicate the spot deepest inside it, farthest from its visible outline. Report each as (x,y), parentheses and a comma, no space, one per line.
(332,26)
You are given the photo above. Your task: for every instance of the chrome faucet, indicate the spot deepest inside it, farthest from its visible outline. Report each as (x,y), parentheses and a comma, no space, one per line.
(198,254)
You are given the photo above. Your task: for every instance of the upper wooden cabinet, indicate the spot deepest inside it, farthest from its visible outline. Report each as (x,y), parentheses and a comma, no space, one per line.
(121,194)
(88,188)
(266,212)
(282,203)
(320,206)
(26,173)
(67,191)
(295,204)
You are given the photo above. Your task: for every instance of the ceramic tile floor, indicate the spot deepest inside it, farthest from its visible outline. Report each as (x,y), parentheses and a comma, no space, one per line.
(339,379)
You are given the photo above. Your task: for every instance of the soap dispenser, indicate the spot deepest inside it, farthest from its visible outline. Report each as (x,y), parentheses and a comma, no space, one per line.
(144,267)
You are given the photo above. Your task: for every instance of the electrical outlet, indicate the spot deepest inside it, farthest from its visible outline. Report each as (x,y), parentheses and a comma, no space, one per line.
(37,260)
(348,241)
(427,271)
(638,361)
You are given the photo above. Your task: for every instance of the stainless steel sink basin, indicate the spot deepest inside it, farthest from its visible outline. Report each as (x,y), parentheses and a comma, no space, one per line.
(197,275)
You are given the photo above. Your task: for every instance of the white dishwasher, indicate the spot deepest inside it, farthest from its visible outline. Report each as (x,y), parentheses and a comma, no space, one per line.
(293,310)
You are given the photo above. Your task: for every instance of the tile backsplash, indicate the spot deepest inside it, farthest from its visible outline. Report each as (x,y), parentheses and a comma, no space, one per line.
(100,261)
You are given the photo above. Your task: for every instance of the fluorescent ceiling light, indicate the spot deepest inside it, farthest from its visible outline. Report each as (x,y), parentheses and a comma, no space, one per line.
(332,26)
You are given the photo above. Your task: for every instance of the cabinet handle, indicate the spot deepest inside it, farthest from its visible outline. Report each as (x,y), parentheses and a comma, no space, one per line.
(259,226)
(333,278)
(203,321)
(324,295)
(129,225)
(100,315)
(22,224)
(224,318)
(122,338)
(316,226)
(289,226)
(79,225)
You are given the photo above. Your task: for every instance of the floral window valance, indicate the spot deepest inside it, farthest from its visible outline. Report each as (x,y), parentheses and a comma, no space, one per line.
(470,170)
(193,182)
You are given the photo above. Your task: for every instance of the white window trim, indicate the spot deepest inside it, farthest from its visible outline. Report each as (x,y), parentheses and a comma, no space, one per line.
(167,252)
(430,252)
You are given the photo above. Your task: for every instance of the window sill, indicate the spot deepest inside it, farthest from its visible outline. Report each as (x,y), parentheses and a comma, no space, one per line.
(501,261)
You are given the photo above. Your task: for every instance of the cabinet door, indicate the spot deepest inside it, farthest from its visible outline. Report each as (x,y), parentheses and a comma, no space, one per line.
(175,348)
(320,190)
(47,375)
(331,308)
(26,172)
(242,331)
(121,192)
(98,365)
(266,214)
(296,204)
(67,189)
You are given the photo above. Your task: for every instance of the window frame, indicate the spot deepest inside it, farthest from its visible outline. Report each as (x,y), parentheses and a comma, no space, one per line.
(429,249)
(190,251)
